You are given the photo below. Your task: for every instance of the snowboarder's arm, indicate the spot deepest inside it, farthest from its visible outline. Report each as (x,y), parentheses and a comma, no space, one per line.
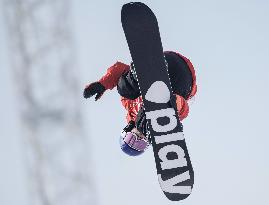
(194,85)
(112,76)
(108,81)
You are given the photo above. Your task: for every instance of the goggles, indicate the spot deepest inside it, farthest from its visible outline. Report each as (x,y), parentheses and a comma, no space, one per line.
(136,142)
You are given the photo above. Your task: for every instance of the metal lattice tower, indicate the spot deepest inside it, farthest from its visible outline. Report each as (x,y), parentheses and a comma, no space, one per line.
(42,58)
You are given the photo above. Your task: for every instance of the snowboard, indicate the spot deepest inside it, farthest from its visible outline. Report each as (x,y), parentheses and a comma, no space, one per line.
(174,168)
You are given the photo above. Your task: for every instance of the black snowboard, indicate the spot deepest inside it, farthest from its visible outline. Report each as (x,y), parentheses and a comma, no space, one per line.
(174,169)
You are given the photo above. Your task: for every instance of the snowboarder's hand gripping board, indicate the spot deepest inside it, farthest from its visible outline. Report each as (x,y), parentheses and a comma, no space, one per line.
(173,163)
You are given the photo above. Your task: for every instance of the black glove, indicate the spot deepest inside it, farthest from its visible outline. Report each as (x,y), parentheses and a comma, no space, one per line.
(141,121)
(129,127)
(94,88)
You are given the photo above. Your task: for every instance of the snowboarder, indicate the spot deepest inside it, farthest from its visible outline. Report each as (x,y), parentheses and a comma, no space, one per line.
(135,137)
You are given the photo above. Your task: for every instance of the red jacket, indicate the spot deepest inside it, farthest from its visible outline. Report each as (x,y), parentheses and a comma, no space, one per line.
(113,74)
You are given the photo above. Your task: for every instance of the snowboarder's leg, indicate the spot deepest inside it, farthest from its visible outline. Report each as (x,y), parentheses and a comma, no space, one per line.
(179,74)
(128,87)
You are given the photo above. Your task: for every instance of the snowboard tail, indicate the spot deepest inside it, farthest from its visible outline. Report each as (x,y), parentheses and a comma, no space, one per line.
(174,168)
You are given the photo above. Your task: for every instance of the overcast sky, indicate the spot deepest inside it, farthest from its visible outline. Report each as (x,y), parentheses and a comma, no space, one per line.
(227,128)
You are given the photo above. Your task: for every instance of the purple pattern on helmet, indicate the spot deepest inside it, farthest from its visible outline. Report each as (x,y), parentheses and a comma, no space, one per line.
(132,140)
